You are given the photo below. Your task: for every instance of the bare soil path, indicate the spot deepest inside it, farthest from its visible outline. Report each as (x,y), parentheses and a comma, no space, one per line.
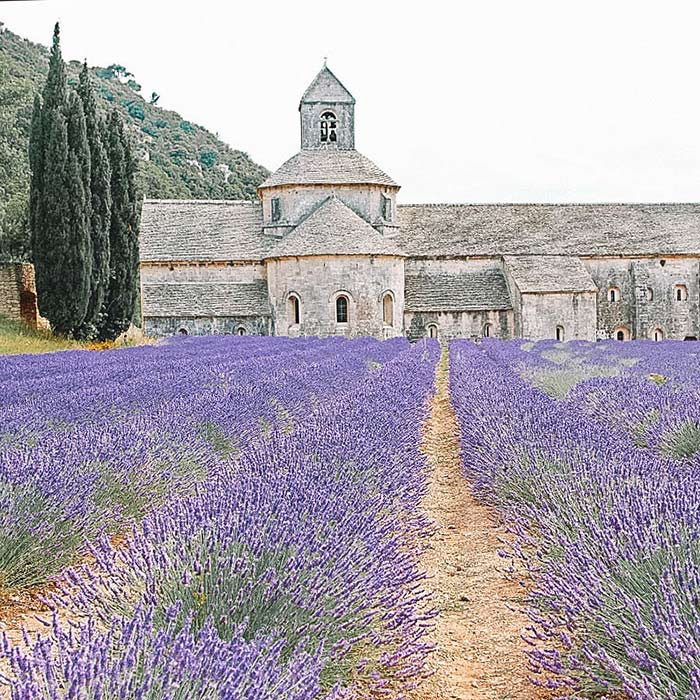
(479,652)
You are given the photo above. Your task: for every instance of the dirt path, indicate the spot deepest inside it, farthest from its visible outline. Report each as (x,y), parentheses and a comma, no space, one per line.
(479,650)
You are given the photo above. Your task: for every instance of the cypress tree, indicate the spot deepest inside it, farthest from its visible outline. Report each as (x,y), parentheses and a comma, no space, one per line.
(123,233)
(36,166)
(100,203)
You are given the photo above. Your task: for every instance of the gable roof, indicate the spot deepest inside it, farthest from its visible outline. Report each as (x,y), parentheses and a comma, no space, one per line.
(325,87)
(201,230)
(549,273)
(476,290)
(195,299)
(333,228)
(328,165)
(586,230)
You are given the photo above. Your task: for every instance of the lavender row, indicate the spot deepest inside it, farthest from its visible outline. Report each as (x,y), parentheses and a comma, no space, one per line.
(607,531)
(96,439)
(298,547)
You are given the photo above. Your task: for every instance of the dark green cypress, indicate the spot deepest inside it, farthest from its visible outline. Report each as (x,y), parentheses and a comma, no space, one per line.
(54,95)
(123,236)
(64,260)
(36,166)
(100,205)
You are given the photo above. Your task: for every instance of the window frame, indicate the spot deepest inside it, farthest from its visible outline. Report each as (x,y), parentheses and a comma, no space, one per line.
(559,334)
(275,210)
(614,294)
(294,309)
(345,312)
(390,296)
(680,293)
(430,327)
(329,127)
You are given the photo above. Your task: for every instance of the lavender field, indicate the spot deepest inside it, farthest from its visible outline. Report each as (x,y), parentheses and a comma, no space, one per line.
(220,518)
(243,517)
(591,452)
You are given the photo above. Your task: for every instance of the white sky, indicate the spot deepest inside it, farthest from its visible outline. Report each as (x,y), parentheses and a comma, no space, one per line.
(523,101)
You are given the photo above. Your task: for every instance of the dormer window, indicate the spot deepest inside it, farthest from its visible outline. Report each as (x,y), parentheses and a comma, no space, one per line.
(328,128)
(387,212)
(275,211)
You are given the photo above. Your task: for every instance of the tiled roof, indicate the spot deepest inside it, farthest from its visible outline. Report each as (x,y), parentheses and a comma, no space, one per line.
(465,291)
(549,273)
(190,299)
(325,87)
(201,230)
(554,229)
(334,229)
(328,165)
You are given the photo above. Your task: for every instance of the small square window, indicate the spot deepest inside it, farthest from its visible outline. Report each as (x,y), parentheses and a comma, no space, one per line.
(386,208)
(275,211)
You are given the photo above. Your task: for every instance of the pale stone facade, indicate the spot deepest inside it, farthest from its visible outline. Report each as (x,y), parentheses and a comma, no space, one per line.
(328,250)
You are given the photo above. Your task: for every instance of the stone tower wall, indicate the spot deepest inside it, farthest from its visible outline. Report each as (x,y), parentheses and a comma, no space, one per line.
(317,281)
(310,113)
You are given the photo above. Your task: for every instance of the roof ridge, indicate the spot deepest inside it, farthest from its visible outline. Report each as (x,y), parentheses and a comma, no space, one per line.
(547,204)
(199,201)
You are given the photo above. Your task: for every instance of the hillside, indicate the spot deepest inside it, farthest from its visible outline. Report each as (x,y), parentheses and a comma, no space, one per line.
(179,160)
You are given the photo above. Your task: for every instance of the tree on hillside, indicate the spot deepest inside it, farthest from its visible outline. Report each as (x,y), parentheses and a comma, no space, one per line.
(100,202)
(59,201)
(123,236)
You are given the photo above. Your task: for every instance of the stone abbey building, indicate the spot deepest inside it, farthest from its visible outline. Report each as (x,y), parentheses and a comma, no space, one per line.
(329,251)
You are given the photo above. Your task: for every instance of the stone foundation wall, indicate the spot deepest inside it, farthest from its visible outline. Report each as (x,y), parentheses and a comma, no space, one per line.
(18,293)
(221,325)
(459,324)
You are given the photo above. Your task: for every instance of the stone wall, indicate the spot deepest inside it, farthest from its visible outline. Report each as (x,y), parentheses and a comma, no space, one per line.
(318,280)
(18,293)
(641,311)
(240,325)
(574,312)
(459,324)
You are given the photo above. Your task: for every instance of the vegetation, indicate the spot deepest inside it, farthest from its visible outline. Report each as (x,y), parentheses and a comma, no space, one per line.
(17,338)
(177,159)
(83,220)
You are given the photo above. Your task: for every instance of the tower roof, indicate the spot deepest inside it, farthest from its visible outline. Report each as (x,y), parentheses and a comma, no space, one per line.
(334,229)
(325,87)
(328,166)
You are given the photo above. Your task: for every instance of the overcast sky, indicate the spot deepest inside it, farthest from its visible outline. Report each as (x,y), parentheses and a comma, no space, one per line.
(524,101)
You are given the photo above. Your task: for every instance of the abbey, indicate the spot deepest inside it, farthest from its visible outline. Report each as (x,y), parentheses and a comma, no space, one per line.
(329,251)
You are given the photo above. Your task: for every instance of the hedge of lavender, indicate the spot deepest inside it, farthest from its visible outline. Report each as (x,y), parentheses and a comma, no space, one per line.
(601,488)
(247,512)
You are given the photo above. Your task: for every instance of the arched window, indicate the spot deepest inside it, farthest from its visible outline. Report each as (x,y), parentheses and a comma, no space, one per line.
(658,334)
(240,330)
(328,128)
(560,333)
(432,330)
(388,309)
(680,292)
(486,331)
(294,309)
(650,294)
(622,334)
(614,294)
(341,309)
(182,331)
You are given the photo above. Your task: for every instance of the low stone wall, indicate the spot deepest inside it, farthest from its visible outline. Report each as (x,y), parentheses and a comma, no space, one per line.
(224,325)
(18,293)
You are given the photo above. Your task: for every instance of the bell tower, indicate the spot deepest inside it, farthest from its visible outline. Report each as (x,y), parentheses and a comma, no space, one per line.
(327,111)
